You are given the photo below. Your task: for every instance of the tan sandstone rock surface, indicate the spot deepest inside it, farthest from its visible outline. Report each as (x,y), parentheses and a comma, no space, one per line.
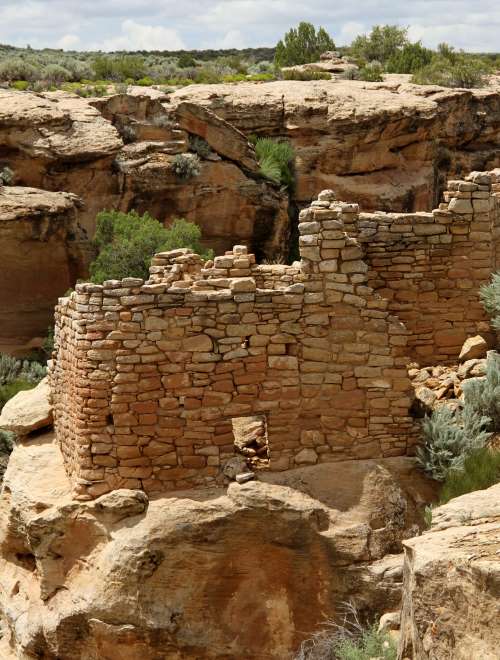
(387,145)
(243,573)
(28,411)
(58,141)
(451,602)
(43,249)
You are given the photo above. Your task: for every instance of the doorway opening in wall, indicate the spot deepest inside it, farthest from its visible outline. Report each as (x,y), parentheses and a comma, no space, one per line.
(250,440)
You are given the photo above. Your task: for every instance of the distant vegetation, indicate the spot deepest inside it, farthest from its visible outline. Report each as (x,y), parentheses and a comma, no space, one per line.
(125,243)
(18,375)
(302,45)
(386,49)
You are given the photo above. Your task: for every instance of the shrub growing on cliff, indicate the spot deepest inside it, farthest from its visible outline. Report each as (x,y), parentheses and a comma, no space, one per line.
(481,469)
(126,242)
(490,297)
(186,166)
(302,45)
(276,160)
(449,438)
(6,176)
(482,395)
(350,640)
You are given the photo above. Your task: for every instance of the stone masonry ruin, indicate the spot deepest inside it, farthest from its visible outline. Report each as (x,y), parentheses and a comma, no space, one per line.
(148,378)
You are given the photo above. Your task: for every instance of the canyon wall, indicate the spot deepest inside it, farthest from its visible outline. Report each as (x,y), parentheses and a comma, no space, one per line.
(388,146)
(119,155)
(43,249)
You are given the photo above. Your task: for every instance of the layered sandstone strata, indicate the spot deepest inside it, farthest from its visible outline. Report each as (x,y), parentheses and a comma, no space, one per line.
(43,250)
(387,146)
(118,152)
(243,573)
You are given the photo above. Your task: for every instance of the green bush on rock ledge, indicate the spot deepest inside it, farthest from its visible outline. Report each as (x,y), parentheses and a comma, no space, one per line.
(126,242)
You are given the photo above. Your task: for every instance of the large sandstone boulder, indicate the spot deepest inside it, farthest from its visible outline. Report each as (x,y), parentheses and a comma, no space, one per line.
(43,250)
(451,598)
(243,573)
(28,411)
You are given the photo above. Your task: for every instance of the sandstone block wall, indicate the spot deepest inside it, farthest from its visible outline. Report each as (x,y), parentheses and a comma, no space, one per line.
(430,266)
(147,378)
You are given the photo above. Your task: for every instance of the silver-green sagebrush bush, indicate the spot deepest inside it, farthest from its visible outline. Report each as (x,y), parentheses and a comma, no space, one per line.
(449,437)
(186,166)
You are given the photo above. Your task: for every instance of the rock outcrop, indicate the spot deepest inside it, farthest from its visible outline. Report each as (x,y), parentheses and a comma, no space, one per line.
(43,251)
(117,152)
(28,411)
(451,603)
(241,573)
(387,145)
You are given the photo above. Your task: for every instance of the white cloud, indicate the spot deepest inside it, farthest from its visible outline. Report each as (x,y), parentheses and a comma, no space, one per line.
(136,36)
(350,31)
(232,39)
(69,42)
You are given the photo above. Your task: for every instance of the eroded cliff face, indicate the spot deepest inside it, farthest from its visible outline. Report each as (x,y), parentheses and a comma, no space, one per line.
(451,601)
(388,146)
(119,154)
(43,250)
(237,573)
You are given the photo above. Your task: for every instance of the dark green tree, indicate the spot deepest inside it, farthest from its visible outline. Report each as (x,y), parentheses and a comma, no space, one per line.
(126,242)
(383,42)
(302,45)
(410,58)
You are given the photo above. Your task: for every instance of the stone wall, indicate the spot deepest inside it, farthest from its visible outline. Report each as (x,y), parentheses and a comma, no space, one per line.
(430,266)
(147,378)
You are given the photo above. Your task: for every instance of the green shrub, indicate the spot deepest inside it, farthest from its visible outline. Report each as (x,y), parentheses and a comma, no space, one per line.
(55,74)
(199,146)
(490,297)
(449,437)
(119,67)
(302,45)
(13,388)
(147,81)
(6,442)
(481,469)
(482,395)
(186,61)
(127,241)
(15,68)
(409,59)
(275,158)
(372,72)
(295,74)
(350,640)
(186,166)
(461,71)
(382,44)
(20,85)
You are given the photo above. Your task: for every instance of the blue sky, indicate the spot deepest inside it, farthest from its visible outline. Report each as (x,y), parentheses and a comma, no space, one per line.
(172,25)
